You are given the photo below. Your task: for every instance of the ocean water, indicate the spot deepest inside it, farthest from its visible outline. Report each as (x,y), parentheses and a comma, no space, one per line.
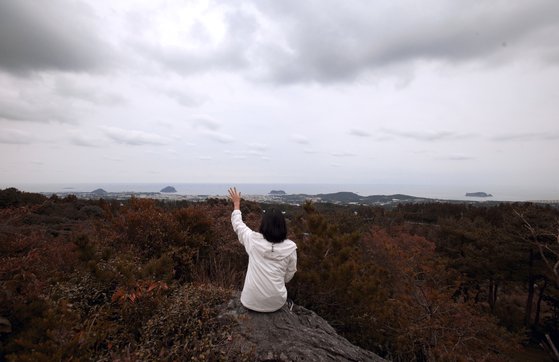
(445,192)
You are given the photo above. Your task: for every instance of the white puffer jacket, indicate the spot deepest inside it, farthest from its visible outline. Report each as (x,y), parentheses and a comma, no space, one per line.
(270,266)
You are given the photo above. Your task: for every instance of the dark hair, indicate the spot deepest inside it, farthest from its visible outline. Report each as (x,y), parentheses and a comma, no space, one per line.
(273,226)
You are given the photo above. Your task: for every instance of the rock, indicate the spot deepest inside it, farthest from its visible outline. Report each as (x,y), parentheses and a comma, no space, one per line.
(168,189)
(295,334)
(5,325)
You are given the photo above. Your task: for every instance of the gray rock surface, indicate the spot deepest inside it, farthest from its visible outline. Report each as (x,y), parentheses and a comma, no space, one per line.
(295,334)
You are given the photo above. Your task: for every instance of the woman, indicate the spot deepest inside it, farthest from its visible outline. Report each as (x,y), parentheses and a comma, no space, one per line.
(272,258)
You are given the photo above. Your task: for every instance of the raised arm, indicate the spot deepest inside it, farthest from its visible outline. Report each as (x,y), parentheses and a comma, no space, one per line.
(235,197)
(243,231)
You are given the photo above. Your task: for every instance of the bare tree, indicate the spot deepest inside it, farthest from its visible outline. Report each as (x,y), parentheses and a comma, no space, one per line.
(547,243)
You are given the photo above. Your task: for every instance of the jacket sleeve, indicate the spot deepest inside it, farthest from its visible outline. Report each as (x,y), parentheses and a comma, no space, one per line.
(243,232)
(291,266)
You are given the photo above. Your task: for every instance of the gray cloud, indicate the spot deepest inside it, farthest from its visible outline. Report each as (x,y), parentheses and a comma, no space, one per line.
(257,150)
(236,155)
(84,141)
(79,90)
(456,157)
(194,61)
(210,127)
(428,136)
(285,42)
(15,136)
(219,136)
(343,154)
(185,99)
(20,109)
(258,147)
(230,54)
(356,132)
(298,138)
(114,159)
(359,133)
(527,136)
(134,138)
(60,35)
(281,65)
(254,150)
(337,41)
(205,122)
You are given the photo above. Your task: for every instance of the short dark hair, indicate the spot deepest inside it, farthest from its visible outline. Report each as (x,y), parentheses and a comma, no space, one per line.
(273,226)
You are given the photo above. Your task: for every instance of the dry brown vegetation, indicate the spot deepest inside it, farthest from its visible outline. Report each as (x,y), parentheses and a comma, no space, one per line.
(142,280)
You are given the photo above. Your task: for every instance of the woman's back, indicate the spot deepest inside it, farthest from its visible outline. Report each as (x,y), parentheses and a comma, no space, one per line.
(270,266)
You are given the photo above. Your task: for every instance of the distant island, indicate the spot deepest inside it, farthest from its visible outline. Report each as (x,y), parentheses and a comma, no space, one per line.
(351,197)
(478,194)
(347,198)
(168,189)
(277,192)
(99,192)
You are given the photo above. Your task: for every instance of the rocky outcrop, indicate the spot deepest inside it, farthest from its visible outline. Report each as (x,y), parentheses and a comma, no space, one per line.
(290,334)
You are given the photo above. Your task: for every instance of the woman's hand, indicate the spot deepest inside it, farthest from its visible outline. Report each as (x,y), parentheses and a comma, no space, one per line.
(235,197)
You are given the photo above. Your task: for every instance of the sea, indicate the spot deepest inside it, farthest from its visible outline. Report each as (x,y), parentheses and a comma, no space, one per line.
(442,192)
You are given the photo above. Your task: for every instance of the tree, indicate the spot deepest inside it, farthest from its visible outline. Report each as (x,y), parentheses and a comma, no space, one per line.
(426,321)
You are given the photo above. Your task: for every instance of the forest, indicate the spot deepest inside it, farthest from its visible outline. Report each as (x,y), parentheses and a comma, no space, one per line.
(139,279)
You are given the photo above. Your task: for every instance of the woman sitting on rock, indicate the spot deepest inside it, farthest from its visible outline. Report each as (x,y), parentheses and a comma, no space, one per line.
(272,258)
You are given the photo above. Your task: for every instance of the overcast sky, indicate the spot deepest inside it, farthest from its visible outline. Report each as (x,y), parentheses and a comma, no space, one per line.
(410,92)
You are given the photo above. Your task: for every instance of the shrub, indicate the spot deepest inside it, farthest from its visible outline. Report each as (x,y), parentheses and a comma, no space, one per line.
(388,291)
(149,228)
(12,197)
(187,326)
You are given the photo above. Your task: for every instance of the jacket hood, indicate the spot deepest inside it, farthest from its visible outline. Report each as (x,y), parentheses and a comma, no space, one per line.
(274,251)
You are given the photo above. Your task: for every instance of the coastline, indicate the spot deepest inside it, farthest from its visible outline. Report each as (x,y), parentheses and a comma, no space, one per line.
(439,192)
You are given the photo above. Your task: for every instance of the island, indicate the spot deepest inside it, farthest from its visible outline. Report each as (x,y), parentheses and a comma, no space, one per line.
(168,189)
(99,192)
(277,192)
(478,194)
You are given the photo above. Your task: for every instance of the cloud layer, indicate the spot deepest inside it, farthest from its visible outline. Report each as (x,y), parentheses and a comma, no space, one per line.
(292,91)
(61,36)
(134,137)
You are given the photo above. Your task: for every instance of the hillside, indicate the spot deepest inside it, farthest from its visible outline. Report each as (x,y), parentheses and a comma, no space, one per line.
(71,288)
(346,197)
(107,279)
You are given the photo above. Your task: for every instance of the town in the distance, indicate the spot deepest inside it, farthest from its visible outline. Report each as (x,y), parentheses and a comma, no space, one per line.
(169,193)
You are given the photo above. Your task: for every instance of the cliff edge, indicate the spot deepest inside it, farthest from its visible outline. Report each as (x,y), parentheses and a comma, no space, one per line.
(295,334)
